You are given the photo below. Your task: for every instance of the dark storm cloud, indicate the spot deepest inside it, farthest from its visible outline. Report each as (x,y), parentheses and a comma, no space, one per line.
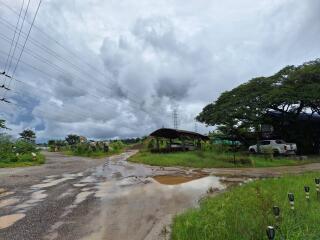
(176,89)
(68,88)
(136,59)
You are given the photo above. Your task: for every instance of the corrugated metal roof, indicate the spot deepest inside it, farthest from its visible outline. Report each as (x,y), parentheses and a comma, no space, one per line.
(174,133)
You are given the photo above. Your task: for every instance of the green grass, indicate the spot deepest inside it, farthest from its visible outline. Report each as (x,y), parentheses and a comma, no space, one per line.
(244,212)
(209,159)
(24,160)
(97,154)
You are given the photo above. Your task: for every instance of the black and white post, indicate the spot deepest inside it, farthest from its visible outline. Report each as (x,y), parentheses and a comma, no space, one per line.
(307,191)
(271,232)
(291,200)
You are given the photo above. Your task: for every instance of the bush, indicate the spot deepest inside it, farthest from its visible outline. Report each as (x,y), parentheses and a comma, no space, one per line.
(220,148)
(116,146)
(23,147)
(18,153)
(82,148)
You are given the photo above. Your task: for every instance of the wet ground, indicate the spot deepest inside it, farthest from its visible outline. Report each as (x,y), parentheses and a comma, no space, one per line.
(79,198)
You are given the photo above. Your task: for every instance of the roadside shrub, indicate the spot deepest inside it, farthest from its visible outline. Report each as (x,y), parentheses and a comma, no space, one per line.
(220,148)
(82,148)
(23,147)
(116,146)
(5,143)
(6,149)
(19,152)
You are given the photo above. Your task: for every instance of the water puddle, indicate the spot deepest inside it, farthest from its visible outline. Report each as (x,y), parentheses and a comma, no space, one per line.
(174,180)
(82,196)
(51,183)
(36,197)
(79,185)
(8,202)
(88,179)
(5,194)
(8,220)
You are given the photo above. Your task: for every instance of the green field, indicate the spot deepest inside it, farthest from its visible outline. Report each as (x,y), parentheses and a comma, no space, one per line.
(210,159)
(96,154)
(244,212)
(24,160)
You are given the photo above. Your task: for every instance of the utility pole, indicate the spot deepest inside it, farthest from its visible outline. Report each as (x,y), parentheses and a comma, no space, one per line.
(195,127)
(175,117)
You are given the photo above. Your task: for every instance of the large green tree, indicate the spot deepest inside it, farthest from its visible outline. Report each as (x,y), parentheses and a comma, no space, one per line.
(72,139)
(28,135)
(291,91)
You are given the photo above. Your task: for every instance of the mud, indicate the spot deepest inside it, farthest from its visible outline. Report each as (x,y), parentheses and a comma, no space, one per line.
(76,198)
(174,180)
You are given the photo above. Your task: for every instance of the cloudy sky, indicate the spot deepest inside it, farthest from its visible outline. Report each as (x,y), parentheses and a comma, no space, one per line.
(117,68)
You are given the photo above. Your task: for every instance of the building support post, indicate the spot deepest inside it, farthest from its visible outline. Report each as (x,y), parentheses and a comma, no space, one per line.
(158,145)
(183,144)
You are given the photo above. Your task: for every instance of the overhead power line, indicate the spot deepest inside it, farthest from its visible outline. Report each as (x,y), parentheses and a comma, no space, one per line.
(61,70)
(58,68)
(140,108)
(26,40)
(72,114)
(18,38)
(12,42)
(76,56)
(48,77)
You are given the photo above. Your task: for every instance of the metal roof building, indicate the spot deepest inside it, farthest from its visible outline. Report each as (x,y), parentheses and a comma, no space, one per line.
(170,133)
(184,140)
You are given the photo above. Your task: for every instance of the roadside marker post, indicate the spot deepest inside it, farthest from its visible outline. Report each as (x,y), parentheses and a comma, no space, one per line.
(271,232)
(276,212)
(291,200)
(307,191)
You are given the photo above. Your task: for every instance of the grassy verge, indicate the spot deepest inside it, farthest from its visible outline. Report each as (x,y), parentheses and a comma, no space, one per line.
(244,212)
(209,159)
(96,154)
(24,160)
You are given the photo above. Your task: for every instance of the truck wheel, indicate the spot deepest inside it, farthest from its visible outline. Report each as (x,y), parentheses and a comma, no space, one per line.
(252,151)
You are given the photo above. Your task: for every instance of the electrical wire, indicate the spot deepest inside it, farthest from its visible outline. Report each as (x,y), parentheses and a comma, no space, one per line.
(25,42)
(14,36)
(76,56)
(54,66)
(15,47)
(61,70)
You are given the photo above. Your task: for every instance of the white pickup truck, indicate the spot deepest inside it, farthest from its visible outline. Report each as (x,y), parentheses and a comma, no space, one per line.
(277,146)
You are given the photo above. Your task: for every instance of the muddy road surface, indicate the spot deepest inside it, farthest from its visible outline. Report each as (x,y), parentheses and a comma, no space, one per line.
(74,198)
(79,198)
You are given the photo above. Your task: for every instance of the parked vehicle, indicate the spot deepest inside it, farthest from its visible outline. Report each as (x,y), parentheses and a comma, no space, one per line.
(276,146)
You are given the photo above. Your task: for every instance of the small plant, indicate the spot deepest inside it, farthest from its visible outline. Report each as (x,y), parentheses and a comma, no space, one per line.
(269,153)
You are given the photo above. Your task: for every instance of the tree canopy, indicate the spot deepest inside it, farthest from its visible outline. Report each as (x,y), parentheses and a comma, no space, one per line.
(3,124)
(72,139)
(291,91)
(28,135)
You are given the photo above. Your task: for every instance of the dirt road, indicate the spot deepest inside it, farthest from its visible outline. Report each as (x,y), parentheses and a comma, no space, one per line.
(79,198)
